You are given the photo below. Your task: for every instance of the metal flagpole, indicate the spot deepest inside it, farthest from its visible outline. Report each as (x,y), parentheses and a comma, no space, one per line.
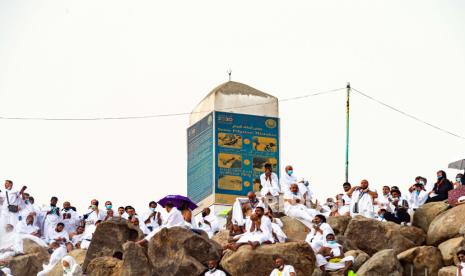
(347,130)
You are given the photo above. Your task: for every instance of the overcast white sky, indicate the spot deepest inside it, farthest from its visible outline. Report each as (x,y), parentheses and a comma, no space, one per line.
(123,58)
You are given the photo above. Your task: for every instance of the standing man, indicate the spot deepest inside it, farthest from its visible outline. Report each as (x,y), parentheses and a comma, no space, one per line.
(10,200)
(69,217)
(152,218)
(52,217)
(347,199)
(362,200)
(269,181)
(95,214)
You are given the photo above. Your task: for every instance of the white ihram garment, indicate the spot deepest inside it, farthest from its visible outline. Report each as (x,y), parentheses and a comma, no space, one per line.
(365,204)
(269,186)
(264,234)
(316,239)
(171,219)
(298,210)
(209,229)
(7,217)
(336,249)
(238,215)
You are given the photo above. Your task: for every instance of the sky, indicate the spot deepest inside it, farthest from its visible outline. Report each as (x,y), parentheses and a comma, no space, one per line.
(84,59)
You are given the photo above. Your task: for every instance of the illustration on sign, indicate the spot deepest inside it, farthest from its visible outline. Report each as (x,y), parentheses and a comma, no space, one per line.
(244,144)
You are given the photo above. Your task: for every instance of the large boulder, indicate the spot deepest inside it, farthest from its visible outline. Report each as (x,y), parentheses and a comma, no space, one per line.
(108,240)
(415,234)
(32,248)
(449,249)
(382,263)
(294,229)
(371,236)
(424,215)
(135,260)
(221,237)
(79,255)
(421,259)
(31,262)
(446,226)
(360,258)
(28,264)
(248,262)
(448,271)
(339,224)
(178,251)
(105,266)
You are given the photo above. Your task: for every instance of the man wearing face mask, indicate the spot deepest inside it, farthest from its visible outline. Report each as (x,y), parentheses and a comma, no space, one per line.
(152,218)
(213,269)
(417,196)
(331,257)
(289,178)
(208,223)
(459,181)
(441,188)
(282,269)
(95,214)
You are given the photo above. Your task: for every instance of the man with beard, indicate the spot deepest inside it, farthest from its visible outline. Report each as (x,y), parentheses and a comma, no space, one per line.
(213,269)
(362,200)
(208,223)
(282,269)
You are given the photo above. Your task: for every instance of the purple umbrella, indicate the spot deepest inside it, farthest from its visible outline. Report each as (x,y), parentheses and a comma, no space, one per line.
(179,201)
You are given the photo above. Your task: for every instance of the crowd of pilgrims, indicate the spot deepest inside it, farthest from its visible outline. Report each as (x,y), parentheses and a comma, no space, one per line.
(63,228)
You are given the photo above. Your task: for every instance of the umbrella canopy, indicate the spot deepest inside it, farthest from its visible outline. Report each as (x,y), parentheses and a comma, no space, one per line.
(179,201)
(459,165)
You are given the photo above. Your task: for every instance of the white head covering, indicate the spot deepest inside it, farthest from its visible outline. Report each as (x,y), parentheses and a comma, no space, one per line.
(7,271)
(72,265)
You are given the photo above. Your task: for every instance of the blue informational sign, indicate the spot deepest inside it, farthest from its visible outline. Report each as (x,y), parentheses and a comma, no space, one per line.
(200,159)
(243,145)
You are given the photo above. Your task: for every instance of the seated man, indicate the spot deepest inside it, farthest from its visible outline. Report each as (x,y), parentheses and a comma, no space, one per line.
(172,218)
(209,223)
(135,221)
(294,205)
(269,182)
(10,243)
(28,227)
(77,237)
(399,207)
(317,236)
(237,211)
(340,209)
(282,269)
(258,231)
(213,269)
(417,196)
(330,257)
(277,225)
(60,236)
